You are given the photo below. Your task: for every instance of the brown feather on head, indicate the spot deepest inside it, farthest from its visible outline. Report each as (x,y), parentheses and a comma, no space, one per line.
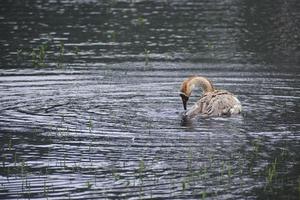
(193,81)
(185,86)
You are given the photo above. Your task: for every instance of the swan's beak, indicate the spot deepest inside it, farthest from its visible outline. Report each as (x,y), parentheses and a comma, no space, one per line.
(184,100)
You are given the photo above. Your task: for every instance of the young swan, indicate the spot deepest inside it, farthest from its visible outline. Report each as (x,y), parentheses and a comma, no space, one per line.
(212,103)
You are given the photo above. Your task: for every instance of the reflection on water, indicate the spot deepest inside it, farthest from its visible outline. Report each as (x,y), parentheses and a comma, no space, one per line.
(270,32)
(102,31)
(89,105)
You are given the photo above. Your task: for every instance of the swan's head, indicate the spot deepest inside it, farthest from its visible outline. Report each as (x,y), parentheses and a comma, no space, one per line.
(189,84)
(185,92)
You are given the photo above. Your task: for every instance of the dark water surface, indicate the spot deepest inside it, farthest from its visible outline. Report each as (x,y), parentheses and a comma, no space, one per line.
(89,104)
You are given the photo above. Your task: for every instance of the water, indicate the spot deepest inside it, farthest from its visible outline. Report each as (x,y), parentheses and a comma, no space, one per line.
(90,106)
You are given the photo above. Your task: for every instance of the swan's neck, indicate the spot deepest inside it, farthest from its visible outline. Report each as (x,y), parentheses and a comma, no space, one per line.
(202,82)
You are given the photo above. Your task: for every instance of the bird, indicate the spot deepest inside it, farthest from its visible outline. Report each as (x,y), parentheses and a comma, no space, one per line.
(212,103)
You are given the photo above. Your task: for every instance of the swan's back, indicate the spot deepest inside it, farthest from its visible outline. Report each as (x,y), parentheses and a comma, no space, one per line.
(216,103)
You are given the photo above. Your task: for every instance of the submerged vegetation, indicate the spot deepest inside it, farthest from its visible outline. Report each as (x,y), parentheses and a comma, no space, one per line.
(44,55)
(38,55)
(146,53)
(49,55)
(143,175)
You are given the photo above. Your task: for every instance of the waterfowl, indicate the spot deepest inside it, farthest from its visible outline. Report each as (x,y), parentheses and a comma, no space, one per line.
(212,103)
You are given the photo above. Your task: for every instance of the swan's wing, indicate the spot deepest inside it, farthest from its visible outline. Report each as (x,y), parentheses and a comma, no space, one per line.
(216,103)
(194,110)
(200,107)
(223,103)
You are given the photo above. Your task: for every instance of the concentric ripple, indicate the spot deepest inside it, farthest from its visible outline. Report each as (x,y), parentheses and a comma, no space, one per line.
(89,104)
(77,133)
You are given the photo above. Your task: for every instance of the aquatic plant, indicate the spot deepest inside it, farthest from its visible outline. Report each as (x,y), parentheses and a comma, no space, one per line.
(141,168)
(61,54)
(89,185)
(299,186)
(19,53)
(229,171)
(9,143)
(203,195)
(115,174)
(141,21)
(271,172)
(24,175)
(64,156)
(15,159)
(183,185)
(90,124)
(113,3)
(61,49)
(210,45)
(38,56)
(46,189)
(112,35)
(42,53)
(34,58)
(76,51)
(190,160)
(146,53)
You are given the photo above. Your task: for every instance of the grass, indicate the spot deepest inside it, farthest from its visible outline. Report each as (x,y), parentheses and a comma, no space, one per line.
(186,181)
(272,172)
(187,185)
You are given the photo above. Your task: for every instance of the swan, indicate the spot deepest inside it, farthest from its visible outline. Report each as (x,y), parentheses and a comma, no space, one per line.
(212,103)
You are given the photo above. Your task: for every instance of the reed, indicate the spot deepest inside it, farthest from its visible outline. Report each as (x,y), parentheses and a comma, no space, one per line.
(183,185)
(203,195)
(271,173)
(141,169)
(229,171)
(38,55)
(76,51)
(90,124)
(61,54)
(146,53)
(46,189)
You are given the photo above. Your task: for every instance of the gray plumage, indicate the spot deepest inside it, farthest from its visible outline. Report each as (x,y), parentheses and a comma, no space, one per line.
(216,103)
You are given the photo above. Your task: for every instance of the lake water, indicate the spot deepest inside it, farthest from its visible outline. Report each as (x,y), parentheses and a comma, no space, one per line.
(90,105)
